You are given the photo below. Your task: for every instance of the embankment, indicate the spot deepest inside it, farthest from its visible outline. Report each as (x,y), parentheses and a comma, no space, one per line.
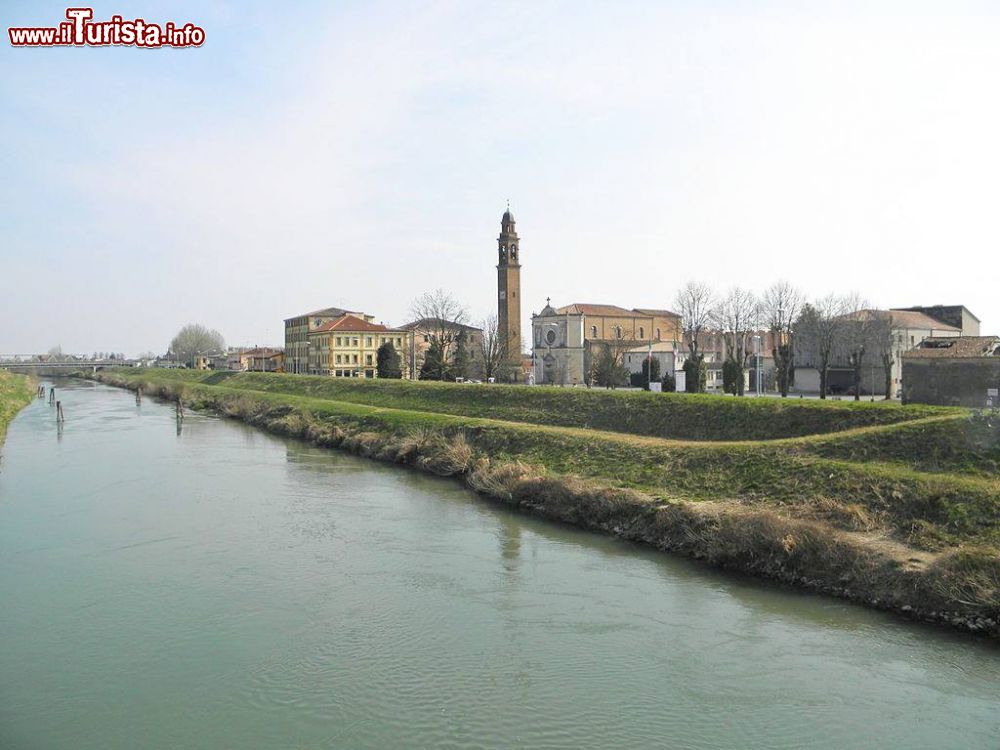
(15,393)
(880,532)
(675,416)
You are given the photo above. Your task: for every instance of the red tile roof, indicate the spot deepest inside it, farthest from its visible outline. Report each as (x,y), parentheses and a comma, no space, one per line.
(657,313)
(351,324)
(611,311)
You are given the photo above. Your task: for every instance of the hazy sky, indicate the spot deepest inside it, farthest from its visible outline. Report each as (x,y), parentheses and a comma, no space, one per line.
(359,153)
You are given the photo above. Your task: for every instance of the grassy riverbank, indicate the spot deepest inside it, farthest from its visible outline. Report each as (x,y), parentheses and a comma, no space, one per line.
(895,506)
(15,394)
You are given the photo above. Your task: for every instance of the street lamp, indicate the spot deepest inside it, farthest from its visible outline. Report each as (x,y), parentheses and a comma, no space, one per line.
(756,340)
(649,366)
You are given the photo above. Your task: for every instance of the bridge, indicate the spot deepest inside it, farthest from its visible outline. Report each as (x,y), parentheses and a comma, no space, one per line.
(34,363)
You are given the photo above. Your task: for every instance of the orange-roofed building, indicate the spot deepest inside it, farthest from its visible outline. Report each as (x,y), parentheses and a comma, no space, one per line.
(347,347)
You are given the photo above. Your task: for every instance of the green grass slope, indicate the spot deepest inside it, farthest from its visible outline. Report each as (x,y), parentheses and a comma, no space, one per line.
(15,394)
(665,415)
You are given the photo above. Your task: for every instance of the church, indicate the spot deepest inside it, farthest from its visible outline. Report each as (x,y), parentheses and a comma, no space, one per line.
(565,338)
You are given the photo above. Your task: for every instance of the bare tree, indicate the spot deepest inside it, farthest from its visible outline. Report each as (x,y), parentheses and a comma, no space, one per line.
(882,336)
(858,332)
(196,340)
(820,332)
(737,316)
(608,363)
(441,316)
(780,307)
(695,303)
(492,354)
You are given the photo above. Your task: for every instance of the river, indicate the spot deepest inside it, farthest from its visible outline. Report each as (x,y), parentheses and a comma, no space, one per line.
(211,586)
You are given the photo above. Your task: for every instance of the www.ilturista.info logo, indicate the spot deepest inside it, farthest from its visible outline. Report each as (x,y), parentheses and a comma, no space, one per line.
(80,30)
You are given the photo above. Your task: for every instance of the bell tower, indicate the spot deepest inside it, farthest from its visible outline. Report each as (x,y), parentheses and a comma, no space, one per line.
(509,289)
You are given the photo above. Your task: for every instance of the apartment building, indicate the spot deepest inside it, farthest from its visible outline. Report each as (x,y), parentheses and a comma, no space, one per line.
(347,347)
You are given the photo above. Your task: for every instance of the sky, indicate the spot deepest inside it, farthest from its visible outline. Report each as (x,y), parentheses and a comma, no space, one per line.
(358,154)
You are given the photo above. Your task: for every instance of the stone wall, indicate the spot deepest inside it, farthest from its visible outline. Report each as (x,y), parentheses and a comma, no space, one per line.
(950,381)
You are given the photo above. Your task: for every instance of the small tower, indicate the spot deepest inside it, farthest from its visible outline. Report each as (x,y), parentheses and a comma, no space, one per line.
(509,289)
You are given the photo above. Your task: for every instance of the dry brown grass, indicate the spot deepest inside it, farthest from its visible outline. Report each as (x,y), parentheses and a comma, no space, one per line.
(500,479)
(446,456)
(970,576)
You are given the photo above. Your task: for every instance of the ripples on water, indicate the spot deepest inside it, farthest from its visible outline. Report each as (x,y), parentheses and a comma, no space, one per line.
(217,587)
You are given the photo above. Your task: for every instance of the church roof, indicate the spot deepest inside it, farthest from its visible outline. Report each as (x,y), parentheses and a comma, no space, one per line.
(611,311)
(586,308)
(657,313)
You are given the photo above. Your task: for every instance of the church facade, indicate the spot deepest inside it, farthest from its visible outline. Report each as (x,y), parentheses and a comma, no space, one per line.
(564,339)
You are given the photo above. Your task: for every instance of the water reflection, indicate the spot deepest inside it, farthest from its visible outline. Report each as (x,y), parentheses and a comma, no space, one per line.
(509,537)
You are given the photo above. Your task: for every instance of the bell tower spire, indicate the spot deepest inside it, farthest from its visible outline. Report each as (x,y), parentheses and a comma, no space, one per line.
(509,289)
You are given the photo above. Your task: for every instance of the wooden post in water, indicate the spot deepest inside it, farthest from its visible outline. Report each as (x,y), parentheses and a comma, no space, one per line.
(180,410)
(138,396)
(60,416)
(52,395)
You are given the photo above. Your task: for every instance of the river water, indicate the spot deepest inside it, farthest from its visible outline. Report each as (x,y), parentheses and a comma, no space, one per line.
(216,587)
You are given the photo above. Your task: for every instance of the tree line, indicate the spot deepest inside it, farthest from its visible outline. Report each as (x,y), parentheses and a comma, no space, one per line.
(831,330)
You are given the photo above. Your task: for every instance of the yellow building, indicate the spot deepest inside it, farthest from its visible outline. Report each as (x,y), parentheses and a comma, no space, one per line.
(348,347)
(298,328)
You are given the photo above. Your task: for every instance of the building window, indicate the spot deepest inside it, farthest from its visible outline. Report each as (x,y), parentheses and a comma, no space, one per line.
(368,359)
(339,360)
(657,334)
(593,332)
(368,341)
(355,359)
(426,338)
(642,332)
(354,342)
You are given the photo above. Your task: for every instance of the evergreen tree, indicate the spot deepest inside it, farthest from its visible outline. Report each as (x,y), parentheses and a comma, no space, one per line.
(390,364)
(695,374)
(434,367)
(608,371)
(650,371)
(732,374)
(462,360)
